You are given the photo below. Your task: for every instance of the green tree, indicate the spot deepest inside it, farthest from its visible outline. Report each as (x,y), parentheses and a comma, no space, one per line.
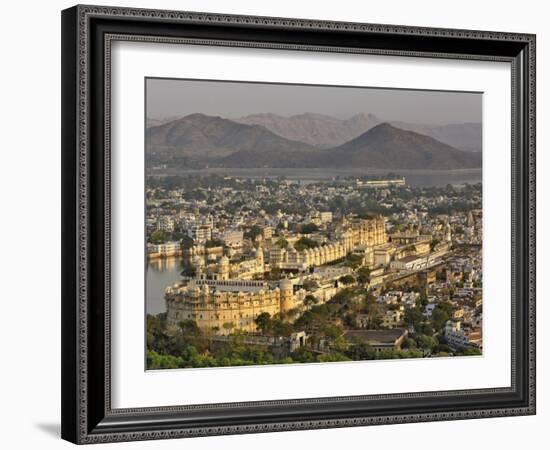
(303,355)
(340,344)
(470,352)
(282,243)
(228,326)
(413,316)
(158,237)
(374,314)
(408,343)
(347,279)
(213,243)
(353,261)
(343,297)
(358,350)
(427,343)
(157,340)
(263,322)
(446,306)
(333,357)
(410,353)
(309,228)
(310,285)
(440,314)
(188,270)
(253,232)
(189,327)
(305,243)
(424,328)
(186,241)
(158,361)
(331,331)
(363,275)
(281,328)
(310,300)
(423,300)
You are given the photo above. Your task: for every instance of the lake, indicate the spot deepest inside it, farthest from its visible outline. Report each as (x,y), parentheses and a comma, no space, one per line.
(415,178)
(160,274)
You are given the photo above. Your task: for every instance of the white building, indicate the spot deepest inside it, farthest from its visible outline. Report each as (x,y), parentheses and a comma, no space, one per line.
(458,338)
(233,239)
(170,248)
(201,234)
(166,223)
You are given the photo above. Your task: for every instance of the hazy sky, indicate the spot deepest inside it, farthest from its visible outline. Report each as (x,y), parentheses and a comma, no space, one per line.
(168,98)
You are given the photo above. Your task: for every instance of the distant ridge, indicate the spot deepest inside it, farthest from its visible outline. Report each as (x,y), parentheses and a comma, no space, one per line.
(314,129)
(325,131)
(199,140)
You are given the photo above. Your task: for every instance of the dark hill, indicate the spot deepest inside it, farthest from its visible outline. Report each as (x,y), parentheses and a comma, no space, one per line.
(387,147)
(201,136)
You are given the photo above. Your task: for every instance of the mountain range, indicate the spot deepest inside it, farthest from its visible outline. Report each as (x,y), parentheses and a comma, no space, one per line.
(314,129)
(304,141)
(325,131)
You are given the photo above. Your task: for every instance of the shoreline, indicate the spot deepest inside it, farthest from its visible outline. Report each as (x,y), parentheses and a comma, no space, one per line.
(414,178)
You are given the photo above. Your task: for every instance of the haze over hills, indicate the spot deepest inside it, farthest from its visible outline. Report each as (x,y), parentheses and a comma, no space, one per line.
(154,122)
(464,136)
(326,131)
(198,141)
(315,129)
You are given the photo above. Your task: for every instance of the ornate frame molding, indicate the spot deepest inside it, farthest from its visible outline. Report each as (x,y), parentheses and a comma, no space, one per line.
(80,418)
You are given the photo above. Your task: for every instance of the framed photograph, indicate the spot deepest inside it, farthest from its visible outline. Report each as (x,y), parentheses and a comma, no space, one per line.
(279,224)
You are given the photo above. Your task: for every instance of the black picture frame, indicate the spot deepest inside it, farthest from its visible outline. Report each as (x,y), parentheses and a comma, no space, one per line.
(87,416)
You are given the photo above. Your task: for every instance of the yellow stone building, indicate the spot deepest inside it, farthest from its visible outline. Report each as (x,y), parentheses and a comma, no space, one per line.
(224,269)
(224,306)
(371,232)
(225,296)
(365,233)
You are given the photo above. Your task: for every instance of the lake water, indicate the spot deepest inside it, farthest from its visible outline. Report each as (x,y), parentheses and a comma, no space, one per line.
(160,274)
(415,178)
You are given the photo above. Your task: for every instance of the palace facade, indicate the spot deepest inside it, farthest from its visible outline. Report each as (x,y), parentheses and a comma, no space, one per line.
(365,233)
(223,306)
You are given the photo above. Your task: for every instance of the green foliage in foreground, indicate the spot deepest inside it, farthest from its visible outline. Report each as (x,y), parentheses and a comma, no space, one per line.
(469,352)
(187,346)
(158,361)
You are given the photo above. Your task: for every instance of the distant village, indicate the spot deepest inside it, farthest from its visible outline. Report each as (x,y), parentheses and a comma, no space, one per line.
(282,271)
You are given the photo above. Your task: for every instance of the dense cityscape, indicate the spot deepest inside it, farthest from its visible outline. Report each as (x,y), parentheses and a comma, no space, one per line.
(278,271)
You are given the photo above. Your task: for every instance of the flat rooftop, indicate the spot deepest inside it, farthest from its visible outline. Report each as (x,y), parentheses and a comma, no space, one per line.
(410,258)
(381,336)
